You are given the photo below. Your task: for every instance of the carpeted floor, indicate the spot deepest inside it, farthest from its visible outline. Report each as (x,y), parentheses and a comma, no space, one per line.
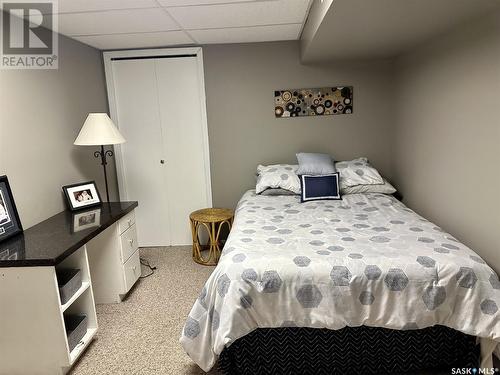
(140,335)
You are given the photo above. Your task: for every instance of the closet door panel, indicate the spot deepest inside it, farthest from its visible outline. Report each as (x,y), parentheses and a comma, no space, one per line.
(137,108)
(183,130)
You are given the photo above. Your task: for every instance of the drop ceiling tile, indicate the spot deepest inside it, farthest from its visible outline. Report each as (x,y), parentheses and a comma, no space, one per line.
(176,3)
(69,6)
(247,34)
(116,21)
(141,40)
(241,14)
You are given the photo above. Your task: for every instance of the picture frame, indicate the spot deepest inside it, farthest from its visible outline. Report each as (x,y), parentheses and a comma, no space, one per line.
(10,224)
(82,195)
(86,220)
(319,101)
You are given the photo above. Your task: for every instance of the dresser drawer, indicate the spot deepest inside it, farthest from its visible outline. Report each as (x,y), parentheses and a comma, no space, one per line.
(132,270)
(126,222)
(128,241)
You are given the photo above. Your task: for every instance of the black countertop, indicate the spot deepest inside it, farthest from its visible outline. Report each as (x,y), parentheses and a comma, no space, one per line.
(51,241)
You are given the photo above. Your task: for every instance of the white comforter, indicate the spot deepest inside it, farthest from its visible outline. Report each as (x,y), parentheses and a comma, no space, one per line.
(365,260)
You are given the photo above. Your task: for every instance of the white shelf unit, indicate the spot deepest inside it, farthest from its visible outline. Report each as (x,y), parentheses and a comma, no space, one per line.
(33,334)
(78,293)
(84,305)
(82,302)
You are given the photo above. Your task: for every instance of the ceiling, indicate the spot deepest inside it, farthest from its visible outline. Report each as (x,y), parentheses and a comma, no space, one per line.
(116,24)
(377,29)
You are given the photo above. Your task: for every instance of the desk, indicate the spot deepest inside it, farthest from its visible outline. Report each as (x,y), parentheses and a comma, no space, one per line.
(102,243)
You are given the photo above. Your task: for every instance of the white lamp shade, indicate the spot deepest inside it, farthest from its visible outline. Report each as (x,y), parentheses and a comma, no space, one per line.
(99,130)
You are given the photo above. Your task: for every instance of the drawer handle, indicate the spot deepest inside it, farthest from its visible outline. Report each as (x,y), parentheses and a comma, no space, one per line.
(129,221)
(131,242)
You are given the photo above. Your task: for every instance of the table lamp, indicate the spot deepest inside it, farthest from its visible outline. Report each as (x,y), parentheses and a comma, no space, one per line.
(99,130)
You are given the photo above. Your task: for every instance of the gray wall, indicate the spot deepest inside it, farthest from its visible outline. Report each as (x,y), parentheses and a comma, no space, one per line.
(438,141)
(240,81)
(42,113)
(447,144)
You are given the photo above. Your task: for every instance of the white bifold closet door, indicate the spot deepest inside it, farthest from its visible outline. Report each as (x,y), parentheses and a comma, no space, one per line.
(159,106)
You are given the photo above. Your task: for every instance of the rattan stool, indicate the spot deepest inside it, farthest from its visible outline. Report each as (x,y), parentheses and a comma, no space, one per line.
(213,219)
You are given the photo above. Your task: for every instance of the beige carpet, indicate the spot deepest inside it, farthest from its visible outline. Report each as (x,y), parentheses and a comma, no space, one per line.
(140,335)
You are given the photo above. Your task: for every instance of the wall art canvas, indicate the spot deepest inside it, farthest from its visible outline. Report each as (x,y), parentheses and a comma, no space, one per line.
(313,102)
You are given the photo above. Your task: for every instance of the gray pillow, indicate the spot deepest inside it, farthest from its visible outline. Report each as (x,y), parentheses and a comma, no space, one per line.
(385,188)
(315,164)
(277,191)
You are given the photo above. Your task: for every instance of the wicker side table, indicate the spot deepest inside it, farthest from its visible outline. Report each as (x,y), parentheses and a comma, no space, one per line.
(213,219)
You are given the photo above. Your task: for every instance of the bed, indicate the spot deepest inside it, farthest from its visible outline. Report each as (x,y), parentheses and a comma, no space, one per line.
(365,261)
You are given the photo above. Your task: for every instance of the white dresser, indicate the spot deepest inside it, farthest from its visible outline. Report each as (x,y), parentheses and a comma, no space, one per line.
(114,260)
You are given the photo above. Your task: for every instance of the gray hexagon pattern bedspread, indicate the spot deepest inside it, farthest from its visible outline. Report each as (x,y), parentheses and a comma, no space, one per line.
(365,260)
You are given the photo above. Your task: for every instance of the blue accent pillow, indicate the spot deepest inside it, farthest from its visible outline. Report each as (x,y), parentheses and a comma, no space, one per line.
(320,187)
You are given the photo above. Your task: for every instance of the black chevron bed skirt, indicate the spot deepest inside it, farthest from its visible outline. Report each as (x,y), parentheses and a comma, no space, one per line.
(351,350)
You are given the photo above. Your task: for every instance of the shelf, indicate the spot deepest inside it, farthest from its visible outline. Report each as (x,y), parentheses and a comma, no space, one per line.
(74,297)
(82,345)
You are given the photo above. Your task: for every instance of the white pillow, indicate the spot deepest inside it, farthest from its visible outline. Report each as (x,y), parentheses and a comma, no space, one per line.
(276,176)
(385,188)
(357,172)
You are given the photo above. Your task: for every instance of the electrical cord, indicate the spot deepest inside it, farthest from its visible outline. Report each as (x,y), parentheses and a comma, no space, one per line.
(146,263)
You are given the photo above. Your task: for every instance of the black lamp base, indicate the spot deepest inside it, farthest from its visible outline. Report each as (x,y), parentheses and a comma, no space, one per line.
(103,154)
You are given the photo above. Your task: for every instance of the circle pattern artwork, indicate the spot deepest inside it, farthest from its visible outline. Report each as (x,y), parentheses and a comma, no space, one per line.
(319,110)
(286,95)
(313,102)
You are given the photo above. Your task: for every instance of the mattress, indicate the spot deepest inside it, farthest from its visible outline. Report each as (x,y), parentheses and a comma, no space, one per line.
(365,260)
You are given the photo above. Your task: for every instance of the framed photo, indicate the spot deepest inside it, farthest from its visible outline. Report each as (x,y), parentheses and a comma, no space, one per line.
(85,220)
(82,195)
(10,225)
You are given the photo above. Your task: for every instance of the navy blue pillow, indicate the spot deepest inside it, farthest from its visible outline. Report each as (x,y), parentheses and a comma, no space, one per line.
(319,187)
